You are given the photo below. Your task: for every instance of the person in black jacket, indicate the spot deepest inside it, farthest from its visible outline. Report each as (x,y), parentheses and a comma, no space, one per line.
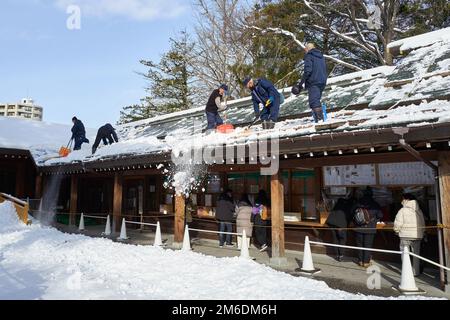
(365,234)
(314,78)
(78,133)
(340,217)
(225,214)
(260,225)
(213,106)
(107,133)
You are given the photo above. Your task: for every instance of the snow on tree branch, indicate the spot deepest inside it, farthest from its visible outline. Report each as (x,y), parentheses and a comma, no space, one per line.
(302,45)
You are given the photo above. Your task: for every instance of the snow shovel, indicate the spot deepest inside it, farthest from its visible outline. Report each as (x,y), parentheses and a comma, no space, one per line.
(65,151)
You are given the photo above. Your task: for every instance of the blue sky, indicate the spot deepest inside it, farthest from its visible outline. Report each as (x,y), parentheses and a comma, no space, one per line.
(88,72)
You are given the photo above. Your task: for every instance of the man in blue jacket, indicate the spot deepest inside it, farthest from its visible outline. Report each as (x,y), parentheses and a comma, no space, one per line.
(314,78)
(266,100)
(78,133)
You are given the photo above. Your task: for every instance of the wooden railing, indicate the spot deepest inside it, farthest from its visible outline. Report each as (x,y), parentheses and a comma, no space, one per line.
(22,207)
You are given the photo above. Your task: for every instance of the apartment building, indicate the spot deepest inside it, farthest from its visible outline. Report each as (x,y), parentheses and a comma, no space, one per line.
(26,108)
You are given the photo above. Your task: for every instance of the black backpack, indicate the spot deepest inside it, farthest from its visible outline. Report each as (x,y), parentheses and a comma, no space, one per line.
(362,216)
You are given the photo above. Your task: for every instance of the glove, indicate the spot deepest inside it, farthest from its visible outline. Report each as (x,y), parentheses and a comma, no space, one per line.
(297,88)
(261,106)
(269,101)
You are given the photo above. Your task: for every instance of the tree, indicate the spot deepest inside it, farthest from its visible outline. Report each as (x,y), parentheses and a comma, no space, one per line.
(146,109)
(171,80)
(222,51)
(354,34)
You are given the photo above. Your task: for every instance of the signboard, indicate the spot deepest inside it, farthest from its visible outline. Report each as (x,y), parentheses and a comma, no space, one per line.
(405,173)
(350,175)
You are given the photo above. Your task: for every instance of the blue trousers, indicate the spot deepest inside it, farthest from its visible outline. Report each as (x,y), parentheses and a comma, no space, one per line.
(272,112)
(213,119)
(314,95)
(79,141)
(225,226)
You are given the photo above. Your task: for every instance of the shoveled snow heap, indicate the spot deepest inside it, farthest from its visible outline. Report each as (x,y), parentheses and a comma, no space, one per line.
(39,262)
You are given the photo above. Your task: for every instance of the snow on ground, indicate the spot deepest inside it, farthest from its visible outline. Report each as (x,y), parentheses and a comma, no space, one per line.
(38,262)
(422,40)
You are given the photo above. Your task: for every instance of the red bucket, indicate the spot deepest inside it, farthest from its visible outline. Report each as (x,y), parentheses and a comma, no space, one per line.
(225,128)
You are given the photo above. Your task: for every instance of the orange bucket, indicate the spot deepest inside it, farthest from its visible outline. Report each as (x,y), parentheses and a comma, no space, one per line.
(225,128)
(64,152)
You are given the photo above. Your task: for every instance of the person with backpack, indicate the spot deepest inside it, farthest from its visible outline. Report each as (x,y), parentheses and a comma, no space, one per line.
(261,219)
(409,225)
(366,213)
(340,217)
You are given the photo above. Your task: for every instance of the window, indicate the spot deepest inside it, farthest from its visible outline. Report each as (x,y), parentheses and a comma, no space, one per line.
(299,193)
(11,114)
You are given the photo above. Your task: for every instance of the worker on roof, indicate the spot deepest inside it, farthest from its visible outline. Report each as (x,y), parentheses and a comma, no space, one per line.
(266,100)
(216,103)
(107,133)
(314,78)
(78,133)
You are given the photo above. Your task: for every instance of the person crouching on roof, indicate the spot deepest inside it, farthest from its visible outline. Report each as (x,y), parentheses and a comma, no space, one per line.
(216,103)
(266,100)
(107,133)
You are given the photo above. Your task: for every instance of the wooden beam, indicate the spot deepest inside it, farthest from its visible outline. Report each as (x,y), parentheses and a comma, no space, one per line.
(20,179)
(73,199)
(444,181)
(117,202)
(277,213)
(38,187)
(388,157)
(179,221)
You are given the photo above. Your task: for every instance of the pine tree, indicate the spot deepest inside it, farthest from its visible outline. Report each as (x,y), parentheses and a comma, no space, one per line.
(171,80)
(146,109)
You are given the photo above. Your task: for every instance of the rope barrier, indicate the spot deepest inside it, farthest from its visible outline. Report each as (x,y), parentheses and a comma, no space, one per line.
(211,231)
(352,247)
(429,261)
(95,217)
(378,250)
(141,223)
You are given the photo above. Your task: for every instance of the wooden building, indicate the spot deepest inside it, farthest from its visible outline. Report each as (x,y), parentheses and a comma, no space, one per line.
(388,128)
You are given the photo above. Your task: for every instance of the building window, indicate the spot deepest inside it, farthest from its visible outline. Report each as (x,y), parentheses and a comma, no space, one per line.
(11,114)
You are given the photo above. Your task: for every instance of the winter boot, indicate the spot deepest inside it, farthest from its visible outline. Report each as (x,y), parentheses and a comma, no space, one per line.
(317,114)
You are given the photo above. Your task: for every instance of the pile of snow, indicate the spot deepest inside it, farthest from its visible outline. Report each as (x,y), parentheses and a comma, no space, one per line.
(42,263)
(422,40)
(8,216)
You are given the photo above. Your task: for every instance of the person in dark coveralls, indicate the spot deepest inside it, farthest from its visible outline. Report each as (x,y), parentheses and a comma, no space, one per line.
(78,133)
(339,217)
(266,100)
(314,78)
(107,133)
(225,215)
(365,234)
(216,103)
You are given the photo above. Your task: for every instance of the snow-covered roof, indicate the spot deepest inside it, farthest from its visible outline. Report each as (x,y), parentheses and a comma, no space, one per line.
(422,40)
(412,93)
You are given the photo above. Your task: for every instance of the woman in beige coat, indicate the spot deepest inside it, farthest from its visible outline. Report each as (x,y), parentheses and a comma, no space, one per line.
(409,224)
(243,218)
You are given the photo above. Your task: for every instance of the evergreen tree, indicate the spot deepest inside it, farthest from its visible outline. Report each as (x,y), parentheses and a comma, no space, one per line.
(146,109)
(171,80)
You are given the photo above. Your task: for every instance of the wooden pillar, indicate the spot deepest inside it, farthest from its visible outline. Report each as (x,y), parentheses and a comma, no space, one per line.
(38,187)
(277,211)
(20,180)
(444,181)
(73,199)
(117,203)
(179,221)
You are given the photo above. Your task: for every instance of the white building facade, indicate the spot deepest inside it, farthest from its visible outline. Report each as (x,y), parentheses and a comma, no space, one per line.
(26,108)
